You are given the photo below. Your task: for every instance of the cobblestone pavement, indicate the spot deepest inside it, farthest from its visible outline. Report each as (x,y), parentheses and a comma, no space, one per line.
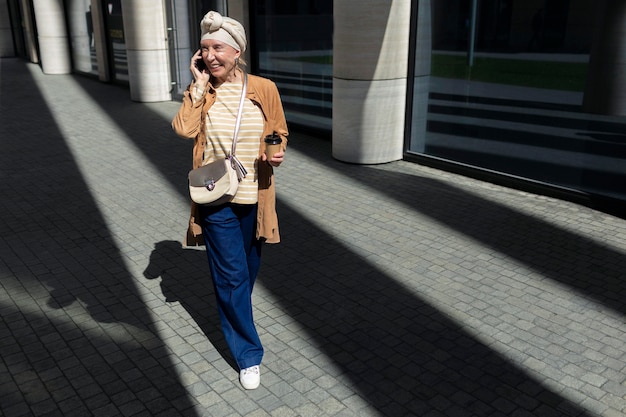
(398,290)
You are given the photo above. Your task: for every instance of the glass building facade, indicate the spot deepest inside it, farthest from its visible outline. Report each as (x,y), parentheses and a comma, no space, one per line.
(292,45)
(513,104)
(80,18)
(504,96)
(496,88)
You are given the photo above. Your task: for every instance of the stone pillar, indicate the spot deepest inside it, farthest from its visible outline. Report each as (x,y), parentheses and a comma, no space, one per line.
(54,50)
(605,92)
(370,61)
(145,31)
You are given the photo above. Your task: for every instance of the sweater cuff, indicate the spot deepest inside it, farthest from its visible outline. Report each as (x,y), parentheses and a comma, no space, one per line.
(197,93)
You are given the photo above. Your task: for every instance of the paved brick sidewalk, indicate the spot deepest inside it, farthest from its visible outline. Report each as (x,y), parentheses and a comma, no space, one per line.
(398,290)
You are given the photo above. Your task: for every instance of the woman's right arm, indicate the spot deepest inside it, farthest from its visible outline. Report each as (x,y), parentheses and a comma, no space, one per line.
(186,123)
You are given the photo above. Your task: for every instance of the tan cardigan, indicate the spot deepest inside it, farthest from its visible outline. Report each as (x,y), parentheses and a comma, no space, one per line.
(189,123)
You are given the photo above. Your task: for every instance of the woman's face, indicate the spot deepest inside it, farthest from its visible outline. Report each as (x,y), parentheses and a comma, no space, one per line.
(219,59)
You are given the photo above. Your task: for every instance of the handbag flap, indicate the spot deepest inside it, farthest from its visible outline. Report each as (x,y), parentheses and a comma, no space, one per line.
(212,172)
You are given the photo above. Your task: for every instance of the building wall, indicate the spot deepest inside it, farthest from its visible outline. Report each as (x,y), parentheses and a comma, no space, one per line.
(361,87)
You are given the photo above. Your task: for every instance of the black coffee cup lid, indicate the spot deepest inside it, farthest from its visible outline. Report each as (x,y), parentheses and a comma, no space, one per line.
(273,139)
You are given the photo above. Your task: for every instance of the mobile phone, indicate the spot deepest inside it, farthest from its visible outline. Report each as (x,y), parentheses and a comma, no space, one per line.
(201,65)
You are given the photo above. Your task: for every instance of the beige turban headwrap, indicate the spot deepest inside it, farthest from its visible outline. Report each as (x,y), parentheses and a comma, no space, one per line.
(224,29)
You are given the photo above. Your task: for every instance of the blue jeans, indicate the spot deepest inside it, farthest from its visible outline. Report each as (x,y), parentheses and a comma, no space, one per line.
(234,259)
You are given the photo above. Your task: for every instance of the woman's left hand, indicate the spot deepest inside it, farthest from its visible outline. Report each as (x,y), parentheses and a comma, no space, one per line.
(275,160)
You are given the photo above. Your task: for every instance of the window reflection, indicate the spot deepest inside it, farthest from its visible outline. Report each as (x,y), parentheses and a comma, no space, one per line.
(115,39)
(82,36)
(518,109)
(293,46)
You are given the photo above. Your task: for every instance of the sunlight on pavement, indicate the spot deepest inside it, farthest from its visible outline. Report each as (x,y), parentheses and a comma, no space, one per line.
(543,326)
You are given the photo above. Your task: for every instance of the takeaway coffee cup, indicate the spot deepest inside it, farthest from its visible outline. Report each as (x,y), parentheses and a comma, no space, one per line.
(272,145)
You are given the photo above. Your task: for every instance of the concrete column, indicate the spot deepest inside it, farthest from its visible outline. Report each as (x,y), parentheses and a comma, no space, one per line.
(145,34)
(370,59)
(605,92)
(54,50)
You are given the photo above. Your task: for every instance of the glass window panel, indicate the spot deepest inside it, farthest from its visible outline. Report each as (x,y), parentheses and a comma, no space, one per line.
(292,42)
(82,36)
(116,41)
(518,109)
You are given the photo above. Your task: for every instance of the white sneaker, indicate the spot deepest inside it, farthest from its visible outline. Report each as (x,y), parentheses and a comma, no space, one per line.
(250,378)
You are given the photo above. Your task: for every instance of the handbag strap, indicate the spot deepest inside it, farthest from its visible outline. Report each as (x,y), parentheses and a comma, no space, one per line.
(234,162)
(239,112)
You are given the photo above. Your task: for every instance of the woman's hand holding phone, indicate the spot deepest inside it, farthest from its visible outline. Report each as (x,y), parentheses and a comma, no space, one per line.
(199,69)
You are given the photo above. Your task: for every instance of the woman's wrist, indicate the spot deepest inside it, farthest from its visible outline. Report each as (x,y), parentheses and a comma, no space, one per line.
(198,90)
(200,86)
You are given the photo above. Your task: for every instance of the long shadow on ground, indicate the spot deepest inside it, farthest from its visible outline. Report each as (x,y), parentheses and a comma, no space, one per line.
(77,338)
(401,353)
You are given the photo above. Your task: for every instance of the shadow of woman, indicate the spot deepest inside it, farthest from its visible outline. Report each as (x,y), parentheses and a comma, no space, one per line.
(183,281)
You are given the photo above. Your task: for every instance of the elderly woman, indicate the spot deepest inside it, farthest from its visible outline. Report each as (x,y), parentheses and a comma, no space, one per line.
(233,232)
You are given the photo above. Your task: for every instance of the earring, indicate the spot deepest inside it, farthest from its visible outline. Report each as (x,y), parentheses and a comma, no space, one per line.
(237,61)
